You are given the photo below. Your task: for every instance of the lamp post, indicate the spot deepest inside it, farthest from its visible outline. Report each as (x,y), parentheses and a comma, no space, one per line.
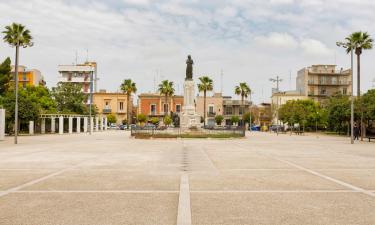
(250,112)
(346,46)
(277,81)
(91,98)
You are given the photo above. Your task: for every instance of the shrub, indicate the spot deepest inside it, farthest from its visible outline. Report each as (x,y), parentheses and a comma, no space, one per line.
(219,119)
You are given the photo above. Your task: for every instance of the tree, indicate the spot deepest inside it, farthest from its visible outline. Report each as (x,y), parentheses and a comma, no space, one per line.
(368,101)
(235,119)
(244,91)
(359,41)
(246,118)
(167,120)
(338,108)
(69,98)
(16,35)
(206,84)
(141,118)
(5,76)
(219,119)
(111,118)
(128,87)
(166,89)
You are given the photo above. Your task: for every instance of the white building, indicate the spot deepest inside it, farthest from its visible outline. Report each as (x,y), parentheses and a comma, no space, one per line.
(79,74)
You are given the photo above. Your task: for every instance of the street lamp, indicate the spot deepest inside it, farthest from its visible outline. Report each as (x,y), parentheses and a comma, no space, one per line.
(346,46)
(277,81)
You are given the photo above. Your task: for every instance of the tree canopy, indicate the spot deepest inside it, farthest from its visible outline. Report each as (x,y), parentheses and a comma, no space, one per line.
(5,76)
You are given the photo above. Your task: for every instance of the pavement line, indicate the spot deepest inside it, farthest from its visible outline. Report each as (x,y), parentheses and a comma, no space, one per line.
(350,186)
(275,191)
(184,209)
(97,191)
(17,188)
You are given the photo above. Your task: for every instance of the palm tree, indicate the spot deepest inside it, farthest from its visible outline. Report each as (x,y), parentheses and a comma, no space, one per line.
(205,85)
(166,89)
(243,90)
(128,87)
(359,41)
(16,35)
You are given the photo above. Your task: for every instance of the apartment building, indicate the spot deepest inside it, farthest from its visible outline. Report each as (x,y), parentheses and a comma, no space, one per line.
(155,105)
(79,74)
(321,81)
(31,77)
(214,107)
(234,108)
(113,103)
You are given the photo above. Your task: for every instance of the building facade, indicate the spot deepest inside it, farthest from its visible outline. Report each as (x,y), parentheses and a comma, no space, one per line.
(262,114)
(319,82)
(31,77)
(113,103)
(79,74)
(155,105)
(214,107)
(234,108)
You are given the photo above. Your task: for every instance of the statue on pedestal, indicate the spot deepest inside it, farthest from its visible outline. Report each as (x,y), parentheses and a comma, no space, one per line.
(189,68)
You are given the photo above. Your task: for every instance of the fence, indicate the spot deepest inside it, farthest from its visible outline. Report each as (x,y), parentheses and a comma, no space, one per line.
(178,132)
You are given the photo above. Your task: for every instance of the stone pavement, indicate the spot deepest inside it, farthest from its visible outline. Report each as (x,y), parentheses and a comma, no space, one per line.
(111,179)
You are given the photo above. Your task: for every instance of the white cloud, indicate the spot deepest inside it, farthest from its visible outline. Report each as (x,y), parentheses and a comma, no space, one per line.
(315,48)
(278,40)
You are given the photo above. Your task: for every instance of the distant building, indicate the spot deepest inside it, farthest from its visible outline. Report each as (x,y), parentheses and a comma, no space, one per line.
(155,105)
(214,107)
(281,97)
(79,74)
(234,108)
(113,103)
(262,114)
(319,82)
(31,77)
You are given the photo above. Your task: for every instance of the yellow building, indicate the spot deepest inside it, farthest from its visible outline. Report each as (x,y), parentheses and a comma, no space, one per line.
(26,77)
(112,103)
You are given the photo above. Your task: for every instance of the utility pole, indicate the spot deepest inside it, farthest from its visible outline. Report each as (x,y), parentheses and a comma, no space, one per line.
(277,81)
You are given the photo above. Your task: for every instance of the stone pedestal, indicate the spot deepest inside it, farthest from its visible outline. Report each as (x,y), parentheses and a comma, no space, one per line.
(31,127)
(85,124)
(78,125)
(189,116)
(53,125)
(61,125)
(2,124)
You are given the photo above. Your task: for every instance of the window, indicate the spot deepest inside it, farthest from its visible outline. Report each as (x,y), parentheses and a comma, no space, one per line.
(344,91)
(166,108)
(323,91)
(24,84)
(121,106)
(241,110)
(24,76)
(153,109)
(178,108)
(228,110)
(334,80)
(106,104)
(211,109)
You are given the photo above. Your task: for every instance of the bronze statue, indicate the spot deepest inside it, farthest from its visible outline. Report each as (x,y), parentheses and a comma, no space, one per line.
(189,68)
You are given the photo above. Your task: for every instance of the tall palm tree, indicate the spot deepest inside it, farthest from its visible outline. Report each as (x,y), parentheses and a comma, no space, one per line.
(16,35)
(359,41)
(166,88)
(128,87)
(206,84)
(244,91)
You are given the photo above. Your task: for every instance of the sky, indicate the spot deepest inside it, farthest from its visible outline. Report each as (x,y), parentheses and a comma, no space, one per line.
(149,40)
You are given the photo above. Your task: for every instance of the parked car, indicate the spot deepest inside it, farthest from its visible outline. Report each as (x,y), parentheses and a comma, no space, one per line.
(254,128)
(113,126)
(123,127)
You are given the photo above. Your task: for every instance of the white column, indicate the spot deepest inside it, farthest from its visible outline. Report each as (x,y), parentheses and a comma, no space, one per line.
(85,124)
(101,123)
(31,127)
(78,124)
(97,124)
(53,125)
(92,124)
(43,126)
(105,123)
(70,119)
(61,125)
(2,124)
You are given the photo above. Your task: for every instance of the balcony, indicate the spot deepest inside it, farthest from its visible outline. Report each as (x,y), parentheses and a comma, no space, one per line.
(107,110)
(211,114)
(328,83)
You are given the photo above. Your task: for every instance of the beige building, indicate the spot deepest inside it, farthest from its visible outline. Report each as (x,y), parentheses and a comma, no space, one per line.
(214,107)
(112,103)
(79,74)
(321,81)
(280,98)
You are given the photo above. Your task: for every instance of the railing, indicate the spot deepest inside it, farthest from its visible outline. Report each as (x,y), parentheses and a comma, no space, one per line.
(107,110)
(211,114)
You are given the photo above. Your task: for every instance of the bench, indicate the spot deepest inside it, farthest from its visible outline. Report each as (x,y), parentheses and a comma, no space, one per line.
(370,137)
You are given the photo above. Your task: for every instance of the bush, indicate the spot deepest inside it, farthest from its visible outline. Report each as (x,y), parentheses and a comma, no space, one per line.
(167,120)
(111,118)
(155,121)
(219,119)
(235,119)
(141,118)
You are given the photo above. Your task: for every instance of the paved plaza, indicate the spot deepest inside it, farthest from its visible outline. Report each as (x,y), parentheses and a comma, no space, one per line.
(111,179)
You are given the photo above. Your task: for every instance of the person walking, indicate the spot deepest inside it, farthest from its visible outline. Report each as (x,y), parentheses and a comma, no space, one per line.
(356,132)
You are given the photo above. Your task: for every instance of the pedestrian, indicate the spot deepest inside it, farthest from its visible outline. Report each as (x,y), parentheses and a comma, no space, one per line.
(356,132)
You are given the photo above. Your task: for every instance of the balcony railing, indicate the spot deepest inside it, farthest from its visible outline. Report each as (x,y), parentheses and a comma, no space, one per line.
(107,110)
(211,114)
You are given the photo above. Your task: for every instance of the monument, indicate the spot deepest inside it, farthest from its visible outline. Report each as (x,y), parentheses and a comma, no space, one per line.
(189,117)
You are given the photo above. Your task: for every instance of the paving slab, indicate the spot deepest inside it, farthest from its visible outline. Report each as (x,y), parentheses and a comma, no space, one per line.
(282,209)
(88,209)
(261,180)
(363,178)
(13,178)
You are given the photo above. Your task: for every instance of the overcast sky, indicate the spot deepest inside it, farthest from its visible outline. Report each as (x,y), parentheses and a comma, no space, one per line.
(145,40)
